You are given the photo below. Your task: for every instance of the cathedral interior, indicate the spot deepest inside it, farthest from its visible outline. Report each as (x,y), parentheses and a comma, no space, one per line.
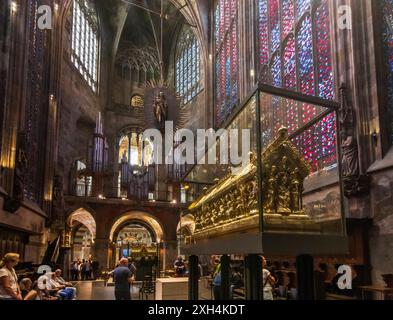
(91,90)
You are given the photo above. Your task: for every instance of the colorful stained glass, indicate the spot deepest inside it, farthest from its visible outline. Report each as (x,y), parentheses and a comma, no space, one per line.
(295,47)
(276,71)
(227,58)
(387,36)
(289,64)
(324,52)
(305,57)
(263,32)
(301,7)
(288,17)
(275,29)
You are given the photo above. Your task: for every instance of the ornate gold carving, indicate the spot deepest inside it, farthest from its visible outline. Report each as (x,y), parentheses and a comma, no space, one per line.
(65,240)
(235,197)
(283,176)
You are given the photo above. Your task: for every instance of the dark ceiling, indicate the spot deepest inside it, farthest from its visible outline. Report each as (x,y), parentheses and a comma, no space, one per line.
(138,29)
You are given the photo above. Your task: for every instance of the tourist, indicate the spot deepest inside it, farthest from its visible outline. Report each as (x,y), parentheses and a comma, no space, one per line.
(25,286)
(68,285)
(9,288)
(217,280)
(74,271)
(268,282)
(95,268)
(60,290)
(122,277)
(236,281)
(180,267)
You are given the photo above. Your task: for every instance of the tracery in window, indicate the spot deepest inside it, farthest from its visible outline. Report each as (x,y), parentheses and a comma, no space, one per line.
(85,43)
(187,66)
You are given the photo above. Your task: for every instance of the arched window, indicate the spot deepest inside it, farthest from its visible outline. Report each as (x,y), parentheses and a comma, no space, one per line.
(227,58)
(137,101)
(187,66)
(386,7)
(85,44)
(295,53)
(134,151)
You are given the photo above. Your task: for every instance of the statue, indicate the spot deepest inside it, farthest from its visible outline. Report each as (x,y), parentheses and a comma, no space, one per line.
(238,203)
(284,197)
(295,191)
(230,211)
(160,108)
(271,191)
(355,183)
(252,201)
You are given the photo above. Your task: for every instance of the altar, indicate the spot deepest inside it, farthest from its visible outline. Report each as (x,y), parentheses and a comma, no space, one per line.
(171,289)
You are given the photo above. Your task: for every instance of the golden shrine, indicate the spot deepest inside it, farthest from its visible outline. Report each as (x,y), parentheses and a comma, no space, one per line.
(232,204)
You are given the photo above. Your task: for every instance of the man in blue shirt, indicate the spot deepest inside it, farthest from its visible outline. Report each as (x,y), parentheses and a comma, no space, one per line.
(122,277)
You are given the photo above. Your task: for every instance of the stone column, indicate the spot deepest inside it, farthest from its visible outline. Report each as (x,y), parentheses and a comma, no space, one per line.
(169,254)
(102,251)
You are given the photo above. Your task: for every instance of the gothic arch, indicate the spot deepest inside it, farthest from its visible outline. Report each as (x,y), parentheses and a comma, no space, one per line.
(84,217)
(138,216)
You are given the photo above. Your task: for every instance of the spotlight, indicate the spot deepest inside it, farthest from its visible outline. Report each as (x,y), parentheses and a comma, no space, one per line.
(14,7)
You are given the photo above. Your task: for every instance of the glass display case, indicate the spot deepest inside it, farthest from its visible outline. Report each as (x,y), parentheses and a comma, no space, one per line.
(287,198)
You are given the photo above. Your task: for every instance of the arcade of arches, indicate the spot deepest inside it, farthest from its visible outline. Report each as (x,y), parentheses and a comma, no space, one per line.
(80,179)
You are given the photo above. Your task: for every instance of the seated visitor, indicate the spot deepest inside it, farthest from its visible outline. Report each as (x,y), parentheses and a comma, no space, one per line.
(9,288)
(25,286)
(37,294)
(180,267)
(61,281)
(61,290)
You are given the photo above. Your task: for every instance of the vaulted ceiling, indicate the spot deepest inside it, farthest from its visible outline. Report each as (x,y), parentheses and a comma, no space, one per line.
(128,23)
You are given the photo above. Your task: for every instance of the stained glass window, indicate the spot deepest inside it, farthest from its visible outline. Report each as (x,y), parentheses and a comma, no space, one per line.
(295,49)
(85,44)
(387,36)
(187,66)
(226,58)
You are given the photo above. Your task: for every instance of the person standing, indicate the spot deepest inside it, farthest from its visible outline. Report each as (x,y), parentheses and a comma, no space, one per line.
(9,288)
(180,267)
(216,282)
(95,267)
(74,271)
(268,282)
(122,277)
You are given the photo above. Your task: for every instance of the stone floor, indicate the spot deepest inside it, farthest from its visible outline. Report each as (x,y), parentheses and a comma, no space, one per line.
(95,290)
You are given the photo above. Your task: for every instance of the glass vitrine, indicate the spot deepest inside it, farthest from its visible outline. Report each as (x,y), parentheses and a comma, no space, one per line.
(287,197)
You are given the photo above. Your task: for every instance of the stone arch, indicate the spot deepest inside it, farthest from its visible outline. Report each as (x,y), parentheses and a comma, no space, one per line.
(84,217)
